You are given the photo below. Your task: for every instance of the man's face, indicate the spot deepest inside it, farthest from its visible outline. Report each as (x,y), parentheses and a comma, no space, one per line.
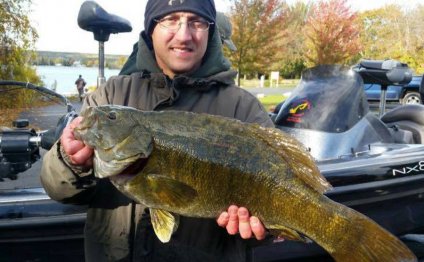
(181,51)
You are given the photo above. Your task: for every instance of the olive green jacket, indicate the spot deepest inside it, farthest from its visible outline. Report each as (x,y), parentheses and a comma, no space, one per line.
(116,228)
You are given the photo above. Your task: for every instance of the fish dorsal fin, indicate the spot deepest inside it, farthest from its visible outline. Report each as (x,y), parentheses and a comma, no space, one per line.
(164,223)
(296,157)
(168,191)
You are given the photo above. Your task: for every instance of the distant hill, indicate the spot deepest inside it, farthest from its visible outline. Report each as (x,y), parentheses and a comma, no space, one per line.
(70,59)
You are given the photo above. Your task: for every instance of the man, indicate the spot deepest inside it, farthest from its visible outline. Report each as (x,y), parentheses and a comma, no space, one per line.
(225,31)
(80,83)
(182,69)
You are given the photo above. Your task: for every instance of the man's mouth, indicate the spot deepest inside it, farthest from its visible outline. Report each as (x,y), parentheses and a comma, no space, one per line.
(181,49)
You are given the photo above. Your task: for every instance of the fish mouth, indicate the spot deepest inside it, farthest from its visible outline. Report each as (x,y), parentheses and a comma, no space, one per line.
(89,118)
(129,172)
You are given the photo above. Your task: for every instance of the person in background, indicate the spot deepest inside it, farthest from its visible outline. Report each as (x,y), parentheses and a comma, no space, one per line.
(225,30)
(180,66)
(80,83)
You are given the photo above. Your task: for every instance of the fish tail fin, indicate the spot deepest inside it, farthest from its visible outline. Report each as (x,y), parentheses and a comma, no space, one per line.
(374,244)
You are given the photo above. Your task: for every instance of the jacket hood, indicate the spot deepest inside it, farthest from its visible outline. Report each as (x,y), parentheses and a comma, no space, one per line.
(213,63)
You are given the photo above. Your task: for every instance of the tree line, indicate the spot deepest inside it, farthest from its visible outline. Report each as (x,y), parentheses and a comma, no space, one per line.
(272,35)
(50,58)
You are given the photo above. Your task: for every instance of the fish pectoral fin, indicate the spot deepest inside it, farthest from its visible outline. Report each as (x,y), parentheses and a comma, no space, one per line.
(164,223)
(169,191)
(288,233)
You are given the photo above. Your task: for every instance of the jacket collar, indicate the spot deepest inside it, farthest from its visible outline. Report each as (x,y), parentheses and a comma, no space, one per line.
(180,82)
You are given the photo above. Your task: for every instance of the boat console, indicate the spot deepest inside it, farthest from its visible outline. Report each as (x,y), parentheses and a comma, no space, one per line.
(384,73)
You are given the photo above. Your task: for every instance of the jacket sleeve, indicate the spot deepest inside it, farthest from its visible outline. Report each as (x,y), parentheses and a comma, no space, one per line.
(61,181)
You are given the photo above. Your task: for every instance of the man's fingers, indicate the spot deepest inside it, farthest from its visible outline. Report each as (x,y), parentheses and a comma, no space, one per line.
(81,156)
(68,141)
(75,122)
(258,228)
(244,223)
(73,146)
(238,220)
(223,219)
(232,226)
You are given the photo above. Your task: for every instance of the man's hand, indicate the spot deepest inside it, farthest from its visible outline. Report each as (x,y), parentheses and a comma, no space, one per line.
(79,153)
(237,220)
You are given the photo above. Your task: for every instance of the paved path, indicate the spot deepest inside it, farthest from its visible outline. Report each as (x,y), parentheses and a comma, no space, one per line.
(269,90)
(47,117)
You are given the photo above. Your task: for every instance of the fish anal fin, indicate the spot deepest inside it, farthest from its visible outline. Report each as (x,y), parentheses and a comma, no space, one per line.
(289,234)
(169,191)
(164,223)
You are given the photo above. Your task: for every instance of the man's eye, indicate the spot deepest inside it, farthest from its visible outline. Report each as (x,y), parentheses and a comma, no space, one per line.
(199,24)
(170,21)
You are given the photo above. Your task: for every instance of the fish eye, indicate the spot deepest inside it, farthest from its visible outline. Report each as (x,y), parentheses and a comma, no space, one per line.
(112,115)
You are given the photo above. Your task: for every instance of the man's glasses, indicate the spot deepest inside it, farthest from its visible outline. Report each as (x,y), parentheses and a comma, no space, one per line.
(173,25)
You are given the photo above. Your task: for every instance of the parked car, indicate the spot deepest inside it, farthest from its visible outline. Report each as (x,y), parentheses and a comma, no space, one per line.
(408,94)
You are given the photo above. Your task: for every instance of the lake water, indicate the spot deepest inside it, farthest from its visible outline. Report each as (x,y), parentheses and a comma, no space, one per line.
(65,77)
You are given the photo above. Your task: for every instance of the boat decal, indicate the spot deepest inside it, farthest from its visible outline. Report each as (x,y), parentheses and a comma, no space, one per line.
(298,110)
(409,170)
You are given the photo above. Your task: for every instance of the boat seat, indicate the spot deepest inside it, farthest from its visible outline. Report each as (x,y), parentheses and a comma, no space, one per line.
(407,117)
(92,17)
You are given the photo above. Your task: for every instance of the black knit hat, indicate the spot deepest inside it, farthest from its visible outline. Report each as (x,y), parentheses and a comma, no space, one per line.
(156,9)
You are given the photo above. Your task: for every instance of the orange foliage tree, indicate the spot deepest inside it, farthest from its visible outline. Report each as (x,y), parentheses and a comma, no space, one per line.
(332,33)
(256,27)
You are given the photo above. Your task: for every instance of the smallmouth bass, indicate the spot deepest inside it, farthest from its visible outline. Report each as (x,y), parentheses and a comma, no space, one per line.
(197,165)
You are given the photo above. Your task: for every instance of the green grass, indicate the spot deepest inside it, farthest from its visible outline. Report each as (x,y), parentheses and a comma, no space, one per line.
(270,101)
(248,83)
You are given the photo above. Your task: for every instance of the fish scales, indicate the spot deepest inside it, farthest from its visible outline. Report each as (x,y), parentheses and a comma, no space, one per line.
(197,165)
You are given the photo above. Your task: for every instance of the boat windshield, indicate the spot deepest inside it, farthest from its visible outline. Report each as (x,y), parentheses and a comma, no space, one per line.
(329,98)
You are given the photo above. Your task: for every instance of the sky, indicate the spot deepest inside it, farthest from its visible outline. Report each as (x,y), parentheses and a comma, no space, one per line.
(56,23)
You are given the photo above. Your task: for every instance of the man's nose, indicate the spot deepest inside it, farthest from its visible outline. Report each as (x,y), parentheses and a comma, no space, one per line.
(184,33)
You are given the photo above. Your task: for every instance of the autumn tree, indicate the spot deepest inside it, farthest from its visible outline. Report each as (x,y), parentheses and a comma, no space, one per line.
(416,22)
(256,24)
(393,32)
(17,38)
(332,33)
(380,32)
(292,42)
